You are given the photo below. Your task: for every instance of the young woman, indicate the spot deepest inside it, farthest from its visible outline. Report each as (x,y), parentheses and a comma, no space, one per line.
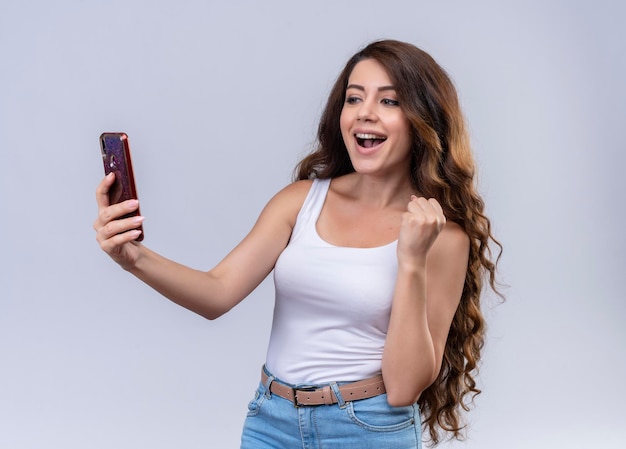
(379,252)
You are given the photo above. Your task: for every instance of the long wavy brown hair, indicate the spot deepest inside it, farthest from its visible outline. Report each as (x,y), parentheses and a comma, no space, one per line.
(442,167)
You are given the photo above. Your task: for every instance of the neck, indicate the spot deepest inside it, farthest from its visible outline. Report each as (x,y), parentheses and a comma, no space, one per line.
(380,192)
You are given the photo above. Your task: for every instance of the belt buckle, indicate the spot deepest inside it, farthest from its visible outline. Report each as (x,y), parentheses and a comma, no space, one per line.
(295,391)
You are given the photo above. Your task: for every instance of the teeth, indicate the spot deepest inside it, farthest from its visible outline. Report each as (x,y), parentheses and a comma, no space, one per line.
(369,136)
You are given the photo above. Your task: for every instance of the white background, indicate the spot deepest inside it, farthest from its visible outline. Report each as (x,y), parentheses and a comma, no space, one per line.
(220,100)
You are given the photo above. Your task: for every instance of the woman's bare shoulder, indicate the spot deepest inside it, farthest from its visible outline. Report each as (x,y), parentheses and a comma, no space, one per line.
(452,240)
(289,200)
(295,192)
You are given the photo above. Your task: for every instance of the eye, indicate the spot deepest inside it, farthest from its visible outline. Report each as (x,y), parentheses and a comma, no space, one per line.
(352,99)
(390,102)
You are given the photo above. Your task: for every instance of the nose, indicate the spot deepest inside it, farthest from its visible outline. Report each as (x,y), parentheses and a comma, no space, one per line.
(366,111)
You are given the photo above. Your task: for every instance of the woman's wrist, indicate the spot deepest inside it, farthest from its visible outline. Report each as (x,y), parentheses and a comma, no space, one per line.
(412,266)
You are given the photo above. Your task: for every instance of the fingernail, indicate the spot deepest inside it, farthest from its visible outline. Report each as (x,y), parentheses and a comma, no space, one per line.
(138,219)
(133,204)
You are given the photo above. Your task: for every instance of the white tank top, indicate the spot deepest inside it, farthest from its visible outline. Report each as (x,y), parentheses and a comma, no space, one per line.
(332,304)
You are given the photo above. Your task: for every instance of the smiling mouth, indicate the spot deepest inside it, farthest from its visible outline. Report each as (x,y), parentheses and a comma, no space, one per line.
(369,140)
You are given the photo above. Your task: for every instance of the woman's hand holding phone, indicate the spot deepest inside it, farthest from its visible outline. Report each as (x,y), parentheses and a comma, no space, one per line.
(117,236)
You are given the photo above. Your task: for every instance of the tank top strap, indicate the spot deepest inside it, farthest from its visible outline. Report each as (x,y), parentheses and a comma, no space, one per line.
(311,208)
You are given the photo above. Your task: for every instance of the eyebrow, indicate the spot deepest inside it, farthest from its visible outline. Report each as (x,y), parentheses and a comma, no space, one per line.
(380,89)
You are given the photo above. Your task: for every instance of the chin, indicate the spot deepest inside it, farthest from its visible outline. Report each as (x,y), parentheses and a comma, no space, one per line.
(366,169)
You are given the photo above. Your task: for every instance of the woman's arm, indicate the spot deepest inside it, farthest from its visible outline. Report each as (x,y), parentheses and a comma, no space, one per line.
(432,263)
(211,293)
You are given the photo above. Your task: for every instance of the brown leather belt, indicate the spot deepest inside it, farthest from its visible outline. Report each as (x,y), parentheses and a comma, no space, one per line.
(353,391)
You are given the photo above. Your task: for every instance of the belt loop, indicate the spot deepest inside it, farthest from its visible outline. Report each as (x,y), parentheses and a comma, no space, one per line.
(335,388)
(268,383)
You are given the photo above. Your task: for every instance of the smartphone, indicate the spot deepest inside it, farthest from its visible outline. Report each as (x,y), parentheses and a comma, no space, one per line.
(116,159)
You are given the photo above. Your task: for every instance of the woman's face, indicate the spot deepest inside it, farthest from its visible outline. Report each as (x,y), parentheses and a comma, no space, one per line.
(375,130)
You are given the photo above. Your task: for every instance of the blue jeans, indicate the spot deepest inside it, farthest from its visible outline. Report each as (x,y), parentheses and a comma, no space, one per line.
(274,422)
